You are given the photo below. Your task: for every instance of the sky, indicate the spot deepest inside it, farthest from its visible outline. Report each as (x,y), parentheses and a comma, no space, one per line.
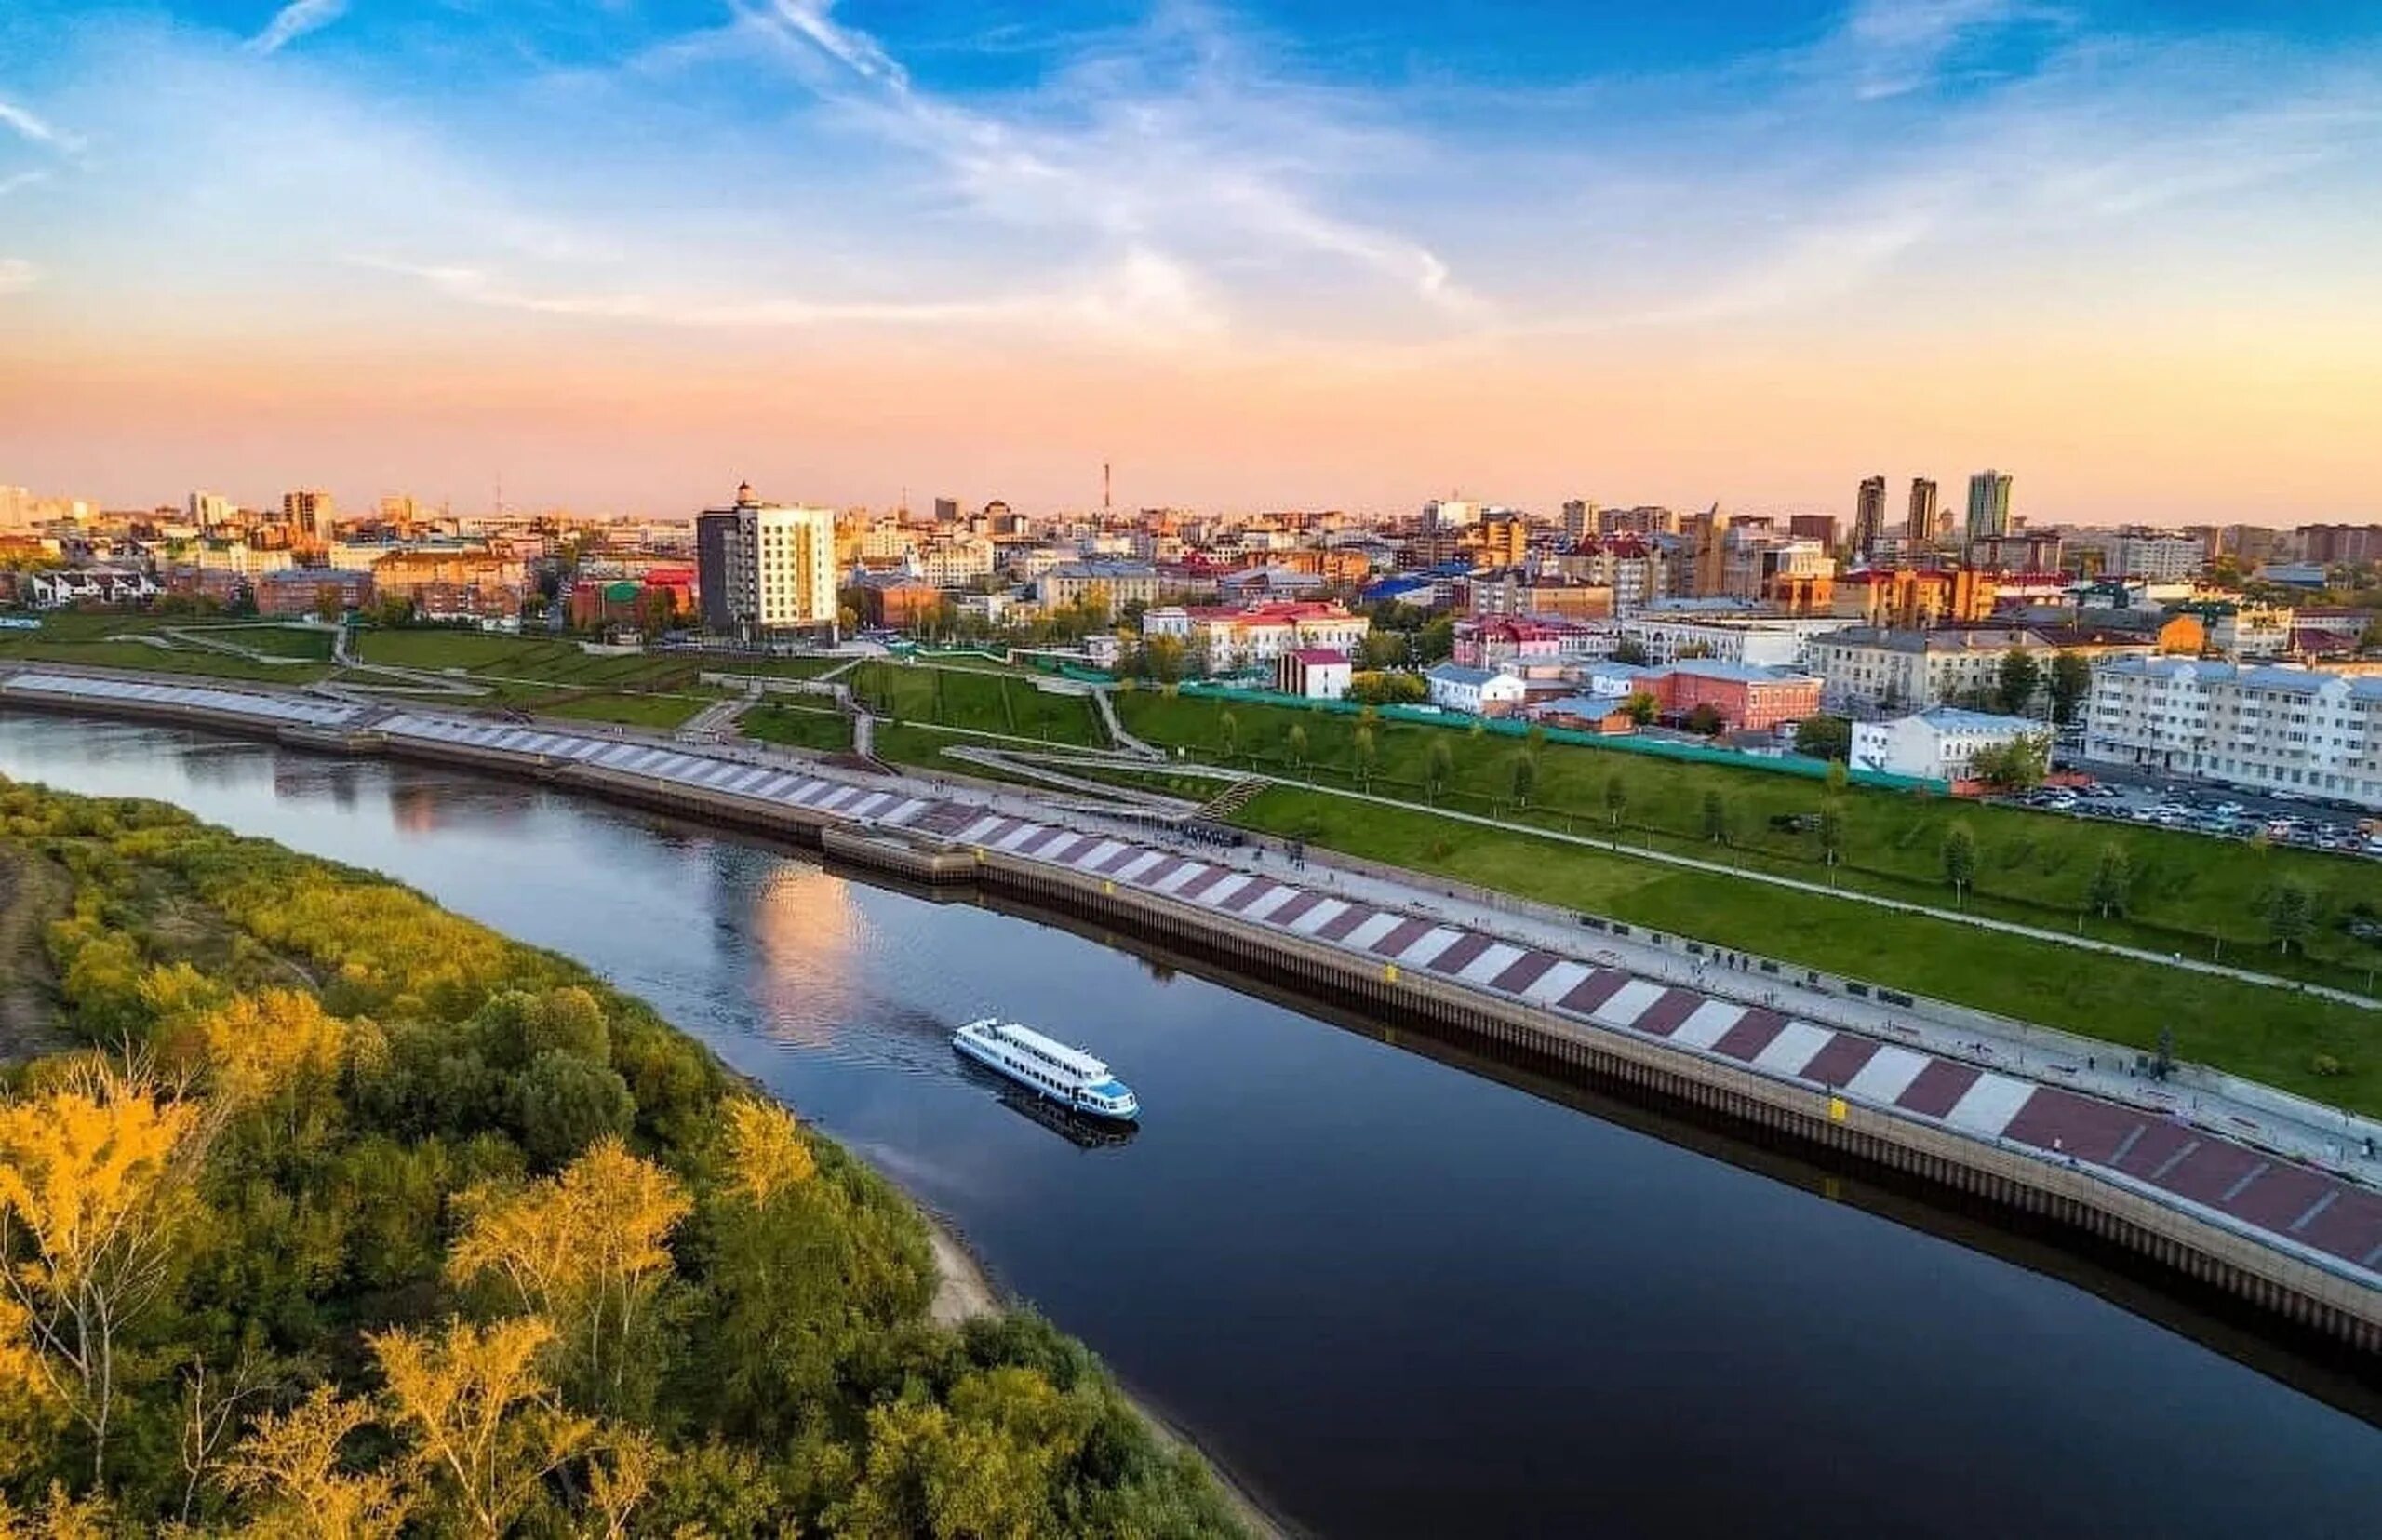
(621,254)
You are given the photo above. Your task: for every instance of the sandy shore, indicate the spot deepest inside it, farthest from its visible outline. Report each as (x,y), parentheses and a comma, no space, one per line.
(963,1291)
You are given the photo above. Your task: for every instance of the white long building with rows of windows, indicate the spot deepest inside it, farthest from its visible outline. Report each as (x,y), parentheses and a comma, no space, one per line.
(2308,732)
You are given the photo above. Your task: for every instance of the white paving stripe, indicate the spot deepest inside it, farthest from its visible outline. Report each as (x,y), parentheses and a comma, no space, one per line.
(1430,944)
(1709,1023)
(1989,1105)
(1058,850)
(838,799)
(1489,964)
(1362,939)
(1106,850)
(1270,901)
(1177,880)
(1556,981)
(1021,835)
(867,807)
(1320,916)
(1630,1002)
(906,811)
(1796,1044)
(1226,889)
(974,833)
(1706,1024)
(1887,1075)
(1148,861)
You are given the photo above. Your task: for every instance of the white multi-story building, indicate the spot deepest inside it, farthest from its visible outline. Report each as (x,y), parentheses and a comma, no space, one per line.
(241,559)
(949,563)
(2274,729)
(1868,667)
(766,568)
(1936,745)
(1476,691)
(1765,641)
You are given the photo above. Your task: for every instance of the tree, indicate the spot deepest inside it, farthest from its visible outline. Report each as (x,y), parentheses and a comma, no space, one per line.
(1525,778)
(2021,675)
(1617,797)
(2071,681)
(95,1178)
(2111,881)
(1825,737)
(1296,745)
(563,1103)
(1629,651)
(1959,859)
(1641,708)
(1831,831)
(485,1424)
(1439,765)
(1229,733)
(2291,914)
(1706,719)
(2018,764)
(1715,816)
(1837,779)
(1365,753)
(584,1251)
(293,1462)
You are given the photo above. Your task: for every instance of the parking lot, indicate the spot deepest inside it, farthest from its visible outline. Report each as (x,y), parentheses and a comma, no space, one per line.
(2196,806)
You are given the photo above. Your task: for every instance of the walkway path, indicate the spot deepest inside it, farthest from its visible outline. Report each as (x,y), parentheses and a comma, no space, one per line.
(1721,869)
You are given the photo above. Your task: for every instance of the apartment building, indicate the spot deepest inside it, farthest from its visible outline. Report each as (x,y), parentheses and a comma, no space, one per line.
(765,567)
(1871,668)
(1935,744)
(1767,641)
(1258,634)
(1113,584)
(2274,729)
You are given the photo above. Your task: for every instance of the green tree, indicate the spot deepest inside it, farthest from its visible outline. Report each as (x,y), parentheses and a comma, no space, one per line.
(2112,882)
(1228,734)
(1296,745)
(1715,816)
(2071,681)
(563,1103)
(1706,719)
(1831,831)
(1617,797)
(2291,916)
(1641,708)
(1825,737)
(1525,777)
(2021,676)
(1959,859)
(1365,753)
(1629,651)
(2018,764)
(1837,778)
(1439,765)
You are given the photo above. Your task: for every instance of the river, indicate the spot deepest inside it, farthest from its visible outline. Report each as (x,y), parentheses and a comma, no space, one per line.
(1394,1297)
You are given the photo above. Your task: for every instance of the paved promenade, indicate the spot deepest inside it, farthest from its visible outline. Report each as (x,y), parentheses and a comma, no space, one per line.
(2290,1181)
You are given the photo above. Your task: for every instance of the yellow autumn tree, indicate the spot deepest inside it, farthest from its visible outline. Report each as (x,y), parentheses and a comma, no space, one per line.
(585,1250)
(766,1151)
(94,1175)
(275,1055)
(483,1421)
(291,1463)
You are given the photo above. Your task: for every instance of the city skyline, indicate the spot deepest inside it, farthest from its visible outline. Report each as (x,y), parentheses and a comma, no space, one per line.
(1254,256)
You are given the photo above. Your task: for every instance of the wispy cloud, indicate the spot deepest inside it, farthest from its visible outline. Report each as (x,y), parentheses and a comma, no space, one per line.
(1173,141)
(296,21)
(22,181)
(39,130)
(1892,48)
(17,273)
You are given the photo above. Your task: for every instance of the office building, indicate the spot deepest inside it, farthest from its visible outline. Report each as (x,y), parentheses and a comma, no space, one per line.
(1988,504)
(1818,527)
(208,510)
(1919,525)
(765,568)
(1868,515)
(1579,520)
(309,510)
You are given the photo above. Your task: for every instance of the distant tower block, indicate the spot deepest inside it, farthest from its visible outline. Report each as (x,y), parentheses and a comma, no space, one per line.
(1108,485)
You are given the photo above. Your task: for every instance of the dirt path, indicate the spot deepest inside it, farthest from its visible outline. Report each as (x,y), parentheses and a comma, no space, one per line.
(33,892)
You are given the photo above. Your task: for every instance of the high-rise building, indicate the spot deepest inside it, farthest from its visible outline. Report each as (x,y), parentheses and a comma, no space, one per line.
(1869,514)
(209,509)
(1579,520)
(16,507)
(765,567)
(1450,514)
(1820,527)
(1988,504)
(1919,527)
(309,509)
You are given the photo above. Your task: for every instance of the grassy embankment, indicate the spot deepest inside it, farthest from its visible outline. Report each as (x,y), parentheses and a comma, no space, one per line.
(102,641)
(355,1186)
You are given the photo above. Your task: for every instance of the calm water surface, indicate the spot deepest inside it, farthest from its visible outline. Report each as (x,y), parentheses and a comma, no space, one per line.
(1396,1298)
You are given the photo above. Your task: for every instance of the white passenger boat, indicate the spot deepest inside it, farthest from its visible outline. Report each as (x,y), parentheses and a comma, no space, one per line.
(1068,1076)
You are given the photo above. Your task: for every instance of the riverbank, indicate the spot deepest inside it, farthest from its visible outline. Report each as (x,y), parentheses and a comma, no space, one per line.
(964,1291)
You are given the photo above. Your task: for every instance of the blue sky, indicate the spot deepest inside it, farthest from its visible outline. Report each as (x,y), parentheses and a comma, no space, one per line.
(1296,210)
